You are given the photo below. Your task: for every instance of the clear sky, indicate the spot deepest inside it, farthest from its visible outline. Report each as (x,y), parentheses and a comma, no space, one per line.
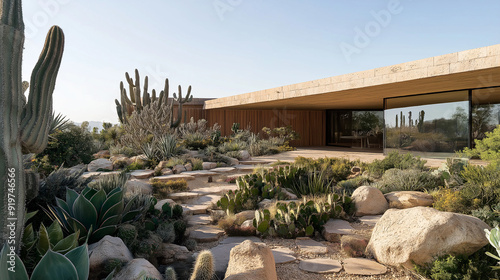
(228,47)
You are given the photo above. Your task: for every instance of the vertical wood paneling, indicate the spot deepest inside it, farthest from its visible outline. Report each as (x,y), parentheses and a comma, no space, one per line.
(310,124)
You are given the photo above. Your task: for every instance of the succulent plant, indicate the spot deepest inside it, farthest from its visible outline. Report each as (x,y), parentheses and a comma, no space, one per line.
(204,268)
(166,231)
(24,123)
(127,233)
(94,213)
(170,274)
(71,265)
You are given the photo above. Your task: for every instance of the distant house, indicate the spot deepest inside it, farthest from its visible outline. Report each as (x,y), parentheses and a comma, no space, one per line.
(433,106)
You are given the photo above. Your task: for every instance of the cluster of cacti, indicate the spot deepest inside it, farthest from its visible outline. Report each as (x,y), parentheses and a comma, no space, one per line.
(136,102)
(24,124)
(166,231)
(204,268)
(292,220)
(127,233)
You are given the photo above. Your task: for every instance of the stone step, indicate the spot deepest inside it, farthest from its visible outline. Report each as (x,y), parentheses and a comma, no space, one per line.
(183,197)
(200,173)
(199,220)
(370,220)
(335,228)
(166,178)
(283,255)
(192,209)
(142,174)
(223,169)
(321,265)
(219,189)
(362,266)
(308,246)
(254,162)
(207,233)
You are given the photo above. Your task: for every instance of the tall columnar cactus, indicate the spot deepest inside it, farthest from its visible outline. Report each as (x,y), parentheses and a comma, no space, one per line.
(204,268)
(136,102)
(24,125)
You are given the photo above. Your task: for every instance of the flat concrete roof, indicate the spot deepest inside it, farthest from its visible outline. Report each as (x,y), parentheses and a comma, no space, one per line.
(474,68)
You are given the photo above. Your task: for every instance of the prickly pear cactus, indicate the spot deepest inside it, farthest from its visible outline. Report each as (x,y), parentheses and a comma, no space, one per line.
(24,124)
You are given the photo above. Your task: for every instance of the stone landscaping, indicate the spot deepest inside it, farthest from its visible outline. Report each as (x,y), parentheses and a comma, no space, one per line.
(400,236)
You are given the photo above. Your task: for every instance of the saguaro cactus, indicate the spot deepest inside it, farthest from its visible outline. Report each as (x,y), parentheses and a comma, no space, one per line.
(24,125)
(138,99)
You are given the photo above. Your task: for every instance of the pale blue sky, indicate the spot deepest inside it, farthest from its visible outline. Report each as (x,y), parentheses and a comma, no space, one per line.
(228,47)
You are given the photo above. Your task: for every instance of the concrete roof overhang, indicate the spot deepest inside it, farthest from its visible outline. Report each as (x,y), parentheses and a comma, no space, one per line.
(475,68)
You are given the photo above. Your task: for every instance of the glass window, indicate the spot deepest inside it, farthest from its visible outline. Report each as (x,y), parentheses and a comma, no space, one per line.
(430,124)
(485,111)
(362,129)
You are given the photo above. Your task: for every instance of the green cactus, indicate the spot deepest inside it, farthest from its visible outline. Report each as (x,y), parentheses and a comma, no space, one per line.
(166,231)
(136,102)
(170,274)
(24,125)
(204,269)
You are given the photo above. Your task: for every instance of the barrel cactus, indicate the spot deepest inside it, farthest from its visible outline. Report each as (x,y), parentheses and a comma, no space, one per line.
(204,268)
(24,124)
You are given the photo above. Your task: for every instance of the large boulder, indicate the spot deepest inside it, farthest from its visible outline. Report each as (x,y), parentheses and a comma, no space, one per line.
(251,261)
(419,234)
(408,199)
(107,249)
(100,164)
(138,269)
(369,201)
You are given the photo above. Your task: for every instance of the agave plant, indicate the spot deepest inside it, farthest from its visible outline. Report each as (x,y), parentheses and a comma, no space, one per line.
(94,213)
(72,265)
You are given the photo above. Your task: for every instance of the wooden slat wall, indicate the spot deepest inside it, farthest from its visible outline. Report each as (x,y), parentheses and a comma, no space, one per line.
(195,111)
(310,124)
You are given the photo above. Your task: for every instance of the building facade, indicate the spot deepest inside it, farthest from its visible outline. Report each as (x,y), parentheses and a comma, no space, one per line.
(432,106)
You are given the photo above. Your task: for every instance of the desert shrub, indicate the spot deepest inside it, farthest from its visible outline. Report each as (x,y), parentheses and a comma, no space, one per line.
(488,148)
(109,182)
(197,135)
(108,136)
(162,189)
(175,161)
(488,214)
(232,226)
(336,169)
(284,133)
(450,267)
(233,146)
(310,182)
(147,125)
(70,147)
(482,185)
(119,149)
(395,160)
(450,200)
(407,180)
(197,163)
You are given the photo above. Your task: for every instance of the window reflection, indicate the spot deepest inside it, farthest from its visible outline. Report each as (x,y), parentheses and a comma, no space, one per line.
(428,128)
(485,111)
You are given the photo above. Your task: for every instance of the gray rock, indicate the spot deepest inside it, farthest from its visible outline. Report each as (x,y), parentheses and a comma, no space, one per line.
(209,165)
(137,269)
(160,203)
(179,169)
(419,234)
(101,163)
(135,186)
(106,249)
(251,261)
(408,199)
(369,201)
(172,252)
(197,220)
